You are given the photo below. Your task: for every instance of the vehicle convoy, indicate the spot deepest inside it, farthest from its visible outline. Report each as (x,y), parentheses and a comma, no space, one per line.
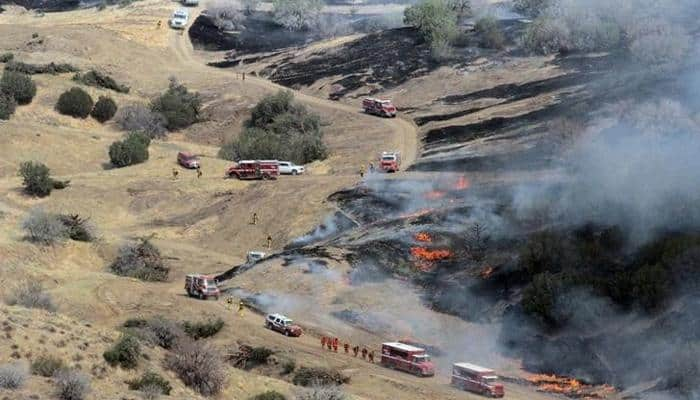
(254,169)
(289,168)
(407,358)
(179,19)
(383,108)
(202,286)
(474,378)
(390,161)
(282,324)
(188,160)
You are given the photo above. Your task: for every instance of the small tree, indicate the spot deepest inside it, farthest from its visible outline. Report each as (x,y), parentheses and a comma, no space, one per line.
(269,395)
(477,242)
(125,353)
(19,86)
(178,105)
(104,109)
(140,260)
(13,375)
(75,102)
(7,106)
(130,151)
(138,118)
(47,365)
(490,34)
(199,366)
(151,379)
(36,178)
(31,295)
(296,15)
(437,22)
(44,228)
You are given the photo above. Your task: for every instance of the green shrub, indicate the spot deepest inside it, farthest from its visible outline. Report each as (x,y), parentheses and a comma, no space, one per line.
(203,329)
(490,34)
(288,366)
(104,109)
(308,376)
(151,379)
(125,353)
(36,178)
(6,57)
(269,395)
(47,365)
(259,355)
(75,102)
(33,69)
(99,79)
(179,106)
(539,298)
(78,229)
(135,323)
(7,106)
(279,129)
(296,15)
(140,260)
(18,86)
(435,19)
(132,150)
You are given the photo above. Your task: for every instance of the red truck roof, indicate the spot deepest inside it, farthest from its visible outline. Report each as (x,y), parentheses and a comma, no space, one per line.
(474,368)
(404,347)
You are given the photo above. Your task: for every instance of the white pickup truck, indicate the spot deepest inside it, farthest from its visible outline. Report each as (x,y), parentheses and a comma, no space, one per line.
(179,19)
(289,168)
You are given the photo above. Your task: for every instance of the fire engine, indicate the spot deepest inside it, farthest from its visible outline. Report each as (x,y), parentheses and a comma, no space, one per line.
(254,169)
(389,161)
(383,108)
(405,357)
(202,286)
(474,378)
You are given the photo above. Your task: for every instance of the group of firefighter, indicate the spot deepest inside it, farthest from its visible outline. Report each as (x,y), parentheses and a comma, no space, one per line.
(332,344)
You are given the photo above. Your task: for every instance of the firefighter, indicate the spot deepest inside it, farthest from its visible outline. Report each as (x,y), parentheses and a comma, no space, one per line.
(371,356)
(355,350)
(323,342)
(269,241)
(159,24)
(364,353)
(346,347)
(243,75)
(371,168)
(255,218)
(329,344)
(335,344)
(241,308)
(199,172)
(175,173)
(362,171)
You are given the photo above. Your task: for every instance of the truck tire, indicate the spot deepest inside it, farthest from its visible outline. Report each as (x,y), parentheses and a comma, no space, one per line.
(265,177)
(286,332)
(295,172)
(268,325)
(202,296)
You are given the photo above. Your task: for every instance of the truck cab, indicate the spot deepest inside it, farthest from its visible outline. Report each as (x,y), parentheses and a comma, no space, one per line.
(179,19)
(254,169)
(474,378)
(407,358)
(383,108)
(201,286)
(282,324)
(289,168)
(254,256)
(390,161)
(188,160)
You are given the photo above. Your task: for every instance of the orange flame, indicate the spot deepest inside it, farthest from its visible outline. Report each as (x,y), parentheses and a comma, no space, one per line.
(486,272)
(434,195)
(569,387)
(462,183)
(423,237)
(422,253)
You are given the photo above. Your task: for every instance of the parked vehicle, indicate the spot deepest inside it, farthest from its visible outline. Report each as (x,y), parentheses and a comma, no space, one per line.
(188,160)
(407,358)
(474,378)
(282,324)
(190,3)
(202,286)
(179,19)
(390,161)
(289,168)
(383,108)
(254,169)
(254,256)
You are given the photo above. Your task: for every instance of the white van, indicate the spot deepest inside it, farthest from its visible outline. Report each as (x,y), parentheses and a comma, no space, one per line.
(179,19)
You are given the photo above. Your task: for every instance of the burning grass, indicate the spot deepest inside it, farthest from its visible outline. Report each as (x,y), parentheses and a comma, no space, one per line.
(423,237)
(426,259)
(569,387)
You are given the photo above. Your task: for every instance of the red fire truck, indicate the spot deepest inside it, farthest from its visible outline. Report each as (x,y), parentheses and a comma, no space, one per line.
(474,378)
(383,108)
(405,357)
(390,161)
(254,169)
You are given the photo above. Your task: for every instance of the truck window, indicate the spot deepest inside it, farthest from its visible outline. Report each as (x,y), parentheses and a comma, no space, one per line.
(210,282)
(388,158)
(421,358)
